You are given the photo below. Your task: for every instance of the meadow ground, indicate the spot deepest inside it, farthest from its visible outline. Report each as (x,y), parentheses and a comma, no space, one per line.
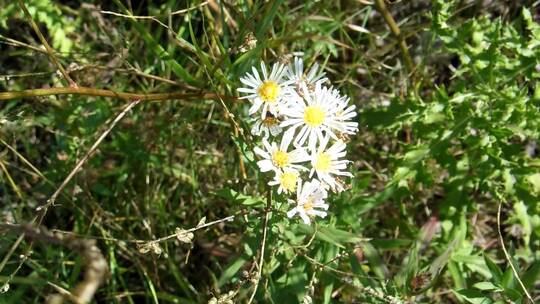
(127,171)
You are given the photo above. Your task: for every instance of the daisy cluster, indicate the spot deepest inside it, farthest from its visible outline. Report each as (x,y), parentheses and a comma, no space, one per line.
(303,123)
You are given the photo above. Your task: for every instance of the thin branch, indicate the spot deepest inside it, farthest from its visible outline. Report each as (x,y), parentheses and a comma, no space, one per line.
(10,180)
(168,237)
(49,49)
(507,255)
(85,91)
(92,149)
(263,243)
(178,12)
(17,43)
(381,7)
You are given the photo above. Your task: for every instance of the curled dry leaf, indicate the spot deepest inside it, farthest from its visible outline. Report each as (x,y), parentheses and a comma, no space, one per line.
(184,236)
(4,288)
(150,246)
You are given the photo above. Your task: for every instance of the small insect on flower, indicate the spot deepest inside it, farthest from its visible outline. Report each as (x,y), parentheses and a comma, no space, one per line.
(279,158)
(309,198)
(266,127)
(326,164)
(267,91)
(318,114)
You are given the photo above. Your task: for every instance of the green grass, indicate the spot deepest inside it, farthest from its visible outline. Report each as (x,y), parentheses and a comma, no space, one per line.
(437,151)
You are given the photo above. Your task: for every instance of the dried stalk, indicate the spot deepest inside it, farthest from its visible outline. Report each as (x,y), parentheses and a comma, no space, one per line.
(381,7)
(85,91)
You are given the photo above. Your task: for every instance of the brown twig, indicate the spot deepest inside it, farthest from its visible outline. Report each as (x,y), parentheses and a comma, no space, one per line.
(96,264)
(383,10)
(85,91)
(49,49)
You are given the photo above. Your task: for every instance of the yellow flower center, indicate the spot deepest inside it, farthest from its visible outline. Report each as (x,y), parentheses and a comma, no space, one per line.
(269,91)
(280,158)
(288,181)
(323,162)
(314,116)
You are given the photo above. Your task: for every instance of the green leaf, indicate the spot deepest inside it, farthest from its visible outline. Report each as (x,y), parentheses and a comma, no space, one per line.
(534,181)
(375,261)
(389,244)
(231,270)
(531,275)
(524,220)
(485,286)
(414,156)
(514,294)
(474,296)
(268,17)
(341,236)
(233,196)
(508,280)
(309,230)
(495,271)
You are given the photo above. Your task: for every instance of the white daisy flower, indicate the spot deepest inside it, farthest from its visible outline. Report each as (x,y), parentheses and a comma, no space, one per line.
(286,179)
(267,91)
(279,158)
(295,72)
(327,165)
(318,113)
(345,112)
(308,198)
(267,126)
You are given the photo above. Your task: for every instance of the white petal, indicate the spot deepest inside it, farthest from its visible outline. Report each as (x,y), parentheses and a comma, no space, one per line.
(292,212)
(304,217)
(317,213)
(261,152)
(265,165)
